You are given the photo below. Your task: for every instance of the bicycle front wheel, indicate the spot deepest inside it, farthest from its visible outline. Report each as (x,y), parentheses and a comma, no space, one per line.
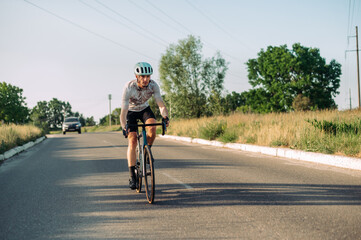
(138,173)
(149,179)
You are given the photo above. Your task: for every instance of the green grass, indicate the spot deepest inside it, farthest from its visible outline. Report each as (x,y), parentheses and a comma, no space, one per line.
(212,130)
(331,132)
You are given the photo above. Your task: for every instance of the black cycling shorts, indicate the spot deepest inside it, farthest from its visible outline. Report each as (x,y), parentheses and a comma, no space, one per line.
(143,116)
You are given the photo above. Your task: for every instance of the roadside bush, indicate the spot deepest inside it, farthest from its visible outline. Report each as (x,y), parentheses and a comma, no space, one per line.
(212,130)
(230,135)
(301,103)
(328,131)
(338,127)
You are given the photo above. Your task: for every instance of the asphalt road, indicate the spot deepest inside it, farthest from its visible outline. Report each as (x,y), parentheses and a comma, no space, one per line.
(75,187)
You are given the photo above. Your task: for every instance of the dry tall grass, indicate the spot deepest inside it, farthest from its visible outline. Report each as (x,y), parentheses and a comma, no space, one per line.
(102,128)
(277,129)
(16,135)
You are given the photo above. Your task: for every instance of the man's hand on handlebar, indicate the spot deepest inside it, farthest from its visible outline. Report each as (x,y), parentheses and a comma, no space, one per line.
(166,120)
(126,131)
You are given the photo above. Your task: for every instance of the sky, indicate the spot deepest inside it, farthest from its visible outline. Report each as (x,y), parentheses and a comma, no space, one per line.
(80,51)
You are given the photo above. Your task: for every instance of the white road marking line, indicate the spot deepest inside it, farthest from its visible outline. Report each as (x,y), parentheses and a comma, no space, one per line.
(176,180)
(165,174)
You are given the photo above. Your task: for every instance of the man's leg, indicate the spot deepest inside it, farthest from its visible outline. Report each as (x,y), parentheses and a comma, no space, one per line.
(132,143)
(151,131)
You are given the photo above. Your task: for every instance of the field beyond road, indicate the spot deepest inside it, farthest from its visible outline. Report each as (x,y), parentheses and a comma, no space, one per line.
(16,135)
(330,132)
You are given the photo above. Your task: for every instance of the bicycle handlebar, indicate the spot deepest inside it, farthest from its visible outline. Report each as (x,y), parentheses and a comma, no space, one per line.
(163,124)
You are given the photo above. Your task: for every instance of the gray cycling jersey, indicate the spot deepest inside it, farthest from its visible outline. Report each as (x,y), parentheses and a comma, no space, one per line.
(136,98)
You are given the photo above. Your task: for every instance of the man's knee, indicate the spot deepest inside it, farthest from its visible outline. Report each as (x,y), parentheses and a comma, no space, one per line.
(132,140)
(151,130)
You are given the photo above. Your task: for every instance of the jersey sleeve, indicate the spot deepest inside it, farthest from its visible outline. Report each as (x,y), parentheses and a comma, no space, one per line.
(157,96)
(159,101)
(125,98)
(124,106)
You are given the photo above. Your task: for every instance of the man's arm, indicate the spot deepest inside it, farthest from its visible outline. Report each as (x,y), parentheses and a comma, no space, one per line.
(162,108)
(160,102)
(124,108)
(123,117)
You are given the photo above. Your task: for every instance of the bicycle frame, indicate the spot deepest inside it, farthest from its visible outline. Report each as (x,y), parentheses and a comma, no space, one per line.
(145,143)
(144,159)
(141,149)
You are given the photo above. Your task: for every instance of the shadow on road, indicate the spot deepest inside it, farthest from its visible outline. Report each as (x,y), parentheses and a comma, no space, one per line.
(87,196)
(92,147)
(230,194)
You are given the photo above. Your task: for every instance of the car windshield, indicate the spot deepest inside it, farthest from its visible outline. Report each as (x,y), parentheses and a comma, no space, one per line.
(71,120)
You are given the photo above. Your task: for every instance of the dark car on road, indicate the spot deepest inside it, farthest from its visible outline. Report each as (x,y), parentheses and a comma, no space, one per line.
(71,124)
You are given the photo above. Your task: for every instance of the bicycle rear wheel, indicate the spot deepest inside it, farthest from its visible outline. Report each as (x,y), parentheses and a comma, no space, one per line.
(149,179)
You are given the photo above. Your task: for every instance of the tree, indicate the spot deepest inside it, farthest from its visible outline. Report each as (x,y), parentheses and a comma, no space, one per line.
(116,116)
(13,108)
(232,101)
(81,118)
(301,103)
(40,115)
(51,114)
(280,74)
(57,111)
(155,108)
(90,121)
(256,100)
(188,80)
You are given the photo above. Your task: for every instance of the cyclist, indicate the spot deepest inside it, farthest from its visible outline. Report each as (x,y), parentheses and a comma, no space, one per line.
(136,94)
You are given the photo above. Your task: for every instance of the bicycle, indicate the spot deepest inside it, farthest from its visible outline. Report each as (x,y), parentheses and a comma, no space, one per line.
(144,167)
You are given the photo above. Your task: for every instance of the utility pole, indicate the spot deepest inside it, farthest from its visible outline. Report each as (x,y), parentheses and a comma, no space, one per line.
(358,70)
(358,67)
(350,99)
(110,110)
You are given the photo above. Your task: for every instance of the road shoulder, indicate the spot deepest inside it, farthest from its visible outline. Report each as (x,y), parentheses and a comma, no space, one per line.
(333,160)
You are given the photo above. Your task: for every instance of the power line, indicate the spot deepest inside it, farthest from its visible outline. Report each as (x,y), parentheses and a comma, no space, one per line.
(127,19)
(153,15)
(216,24)
(349,18)
(164,13)
(358,11)
(352,13)
(112,41)
(188,30)
(234,75)
(87,30)
(171,27)
(107,7)
(115,20)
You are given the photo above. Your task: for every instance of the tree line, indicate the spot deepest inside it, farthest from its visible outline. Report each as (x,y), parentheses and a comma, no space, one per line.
(50,115)
(45,115)
(282,80)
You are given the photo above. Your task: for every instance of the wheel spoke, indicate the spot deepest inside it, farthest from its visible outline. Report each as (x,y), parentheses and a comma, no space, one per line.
(149,175)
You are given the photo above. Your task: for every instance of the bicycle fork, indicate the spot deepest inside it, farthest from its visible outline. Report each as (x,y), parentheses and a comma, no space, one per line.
(144,134)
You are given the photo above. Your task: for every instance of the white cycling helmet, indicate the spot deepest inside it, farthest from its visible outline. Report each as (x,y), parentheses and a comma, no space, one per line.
(143,68)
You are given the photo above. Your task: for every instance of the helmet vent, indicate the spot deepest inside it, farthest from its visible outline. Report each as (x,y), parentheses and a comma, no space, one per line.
(143,68)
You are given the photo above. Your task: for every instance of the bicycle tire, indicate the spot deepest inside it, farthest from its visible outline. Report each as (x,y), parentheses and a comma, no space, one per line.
(138,174)
(149,178)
